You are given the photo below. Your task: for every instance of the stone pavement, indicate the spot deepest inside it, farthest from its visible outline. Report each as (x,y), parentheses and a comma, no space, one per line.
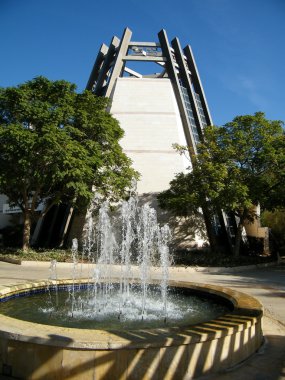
(266,284)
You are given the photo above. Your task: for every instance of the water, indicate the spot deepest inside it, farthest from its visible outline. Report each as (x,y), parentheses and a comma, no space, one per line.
(130,237)
(184,309)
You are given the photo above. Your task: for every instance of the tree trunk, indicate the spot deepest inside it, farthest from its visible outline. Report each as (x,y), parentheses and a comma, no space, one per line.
(210,231)
(27,230)
(238,237)
(225,234)
(66,225)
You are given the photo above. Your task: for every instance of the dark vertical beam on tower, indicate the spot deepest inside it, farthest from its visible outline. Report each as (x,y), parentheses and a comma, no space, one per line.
(109,58)
(171,70)
(187,83)
(197,83)
(185,79)
(119,63)
(199,89)
(96,68)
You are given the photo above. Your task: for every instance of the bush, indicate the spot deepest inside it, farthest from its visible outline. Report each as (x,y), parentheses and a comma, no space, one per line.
(12,235)
(206,258)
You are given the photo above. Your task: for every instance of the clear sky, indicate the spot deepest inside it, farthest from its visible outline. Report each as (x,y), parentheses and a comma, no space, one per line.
(239,45)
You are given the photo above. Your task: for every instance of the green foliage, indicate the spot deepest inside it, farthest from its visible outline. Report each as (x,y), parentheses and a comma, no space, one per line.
(238,166)
(59,255)
(200,257)
(204,258)
(57,144)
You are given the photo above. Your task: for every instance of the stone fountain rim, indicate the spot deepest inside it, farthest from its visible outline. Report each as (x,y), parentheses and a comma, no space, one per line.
(247,311)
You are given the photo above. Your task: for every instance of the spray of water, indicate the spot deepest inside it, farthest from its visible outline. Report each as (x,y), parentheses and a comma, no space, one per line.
(53,278)
(131,239)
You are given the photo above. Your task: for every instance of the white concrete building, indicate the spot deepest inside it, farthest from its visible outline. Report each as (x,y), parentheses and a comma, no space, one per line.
(147,111)
(155,110)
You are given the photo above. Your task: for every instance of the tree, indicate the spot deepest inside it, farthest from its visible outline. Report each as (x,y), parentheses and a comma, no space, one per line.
(56,145)
(238,166)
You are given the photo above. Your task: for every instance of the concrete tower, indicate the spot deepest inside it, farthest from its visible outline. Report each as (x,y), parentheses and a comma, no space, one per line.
(155,110)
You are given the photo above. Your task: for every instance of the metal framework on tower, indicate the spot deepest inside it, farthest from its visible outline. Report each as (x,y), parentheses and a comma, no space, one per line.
(175,63)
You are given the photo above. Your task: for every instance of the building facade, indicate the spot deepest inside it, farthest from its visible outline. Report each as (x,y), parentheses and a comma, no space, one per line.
(175,88)
(156,94)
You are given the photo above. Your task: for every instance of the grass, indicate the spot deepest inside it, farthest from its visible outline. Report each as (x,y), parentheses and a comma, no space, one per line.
(36,255)
(180,258)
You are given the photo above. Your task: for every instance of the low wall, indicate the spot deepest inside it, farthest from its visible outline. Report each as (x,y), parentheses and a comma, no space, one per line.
(35,351)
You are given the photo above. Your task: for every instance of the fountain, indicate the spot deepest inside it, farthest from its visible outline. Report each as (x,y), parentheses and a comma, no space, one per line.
(135,239)
(111,319)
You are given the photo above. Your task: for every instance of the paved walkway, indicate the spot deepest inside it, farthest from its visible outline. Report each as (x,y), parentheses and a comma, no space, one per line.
(266,284)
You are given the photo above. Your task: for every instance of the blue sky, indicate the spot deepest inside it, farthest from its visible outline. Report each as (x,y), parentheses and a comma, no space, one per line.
(239,45)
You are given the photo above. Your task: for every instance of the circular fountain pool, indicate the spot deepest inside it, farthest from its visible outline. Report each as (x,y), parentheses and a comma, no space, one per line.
(61,306)
(37,351)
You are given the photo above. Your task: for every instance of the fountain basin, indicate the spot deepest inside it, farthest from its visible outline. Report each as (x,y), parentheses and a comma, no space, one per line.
(35,351)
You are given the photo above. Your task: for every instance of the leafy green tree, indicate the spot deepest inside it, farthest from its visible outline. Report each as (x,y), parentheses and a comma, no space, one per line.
(238,166)
(56,145)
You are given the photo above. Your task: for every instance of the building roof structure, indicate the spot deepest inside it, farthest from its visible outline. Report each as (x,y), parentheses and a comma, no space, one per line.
(175,63)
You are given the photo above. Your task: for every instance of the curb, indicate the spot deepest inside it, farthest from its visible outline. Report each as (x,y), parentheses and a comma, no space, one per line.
(10,260)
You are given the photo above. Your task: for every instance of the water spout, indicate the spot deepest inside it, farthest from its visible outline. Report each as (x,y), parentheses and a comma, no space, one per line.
(125,240)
